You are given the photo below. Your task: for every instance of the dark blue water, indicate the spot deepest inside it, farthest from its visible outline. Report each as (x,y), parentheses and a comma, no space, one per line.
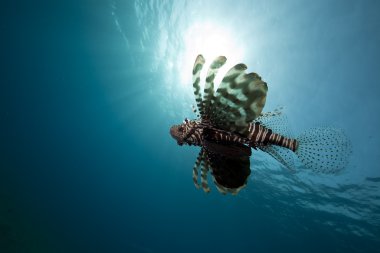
(89,89)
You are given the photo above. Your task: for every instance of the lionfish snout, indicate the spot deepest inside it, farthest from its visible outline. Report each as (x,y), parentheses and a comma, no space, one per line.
(176,132)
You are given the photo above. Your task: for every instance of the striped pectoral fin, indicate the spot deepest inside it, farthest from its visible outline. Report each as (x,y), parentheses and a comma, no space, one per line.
(204,171)
(195,176)
(198,65)
(239,99)
(196,168)
(220,188)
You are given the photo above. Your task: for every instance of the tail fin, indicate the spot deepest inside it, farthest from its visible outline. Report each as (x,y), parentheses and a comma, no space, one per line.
(325,150)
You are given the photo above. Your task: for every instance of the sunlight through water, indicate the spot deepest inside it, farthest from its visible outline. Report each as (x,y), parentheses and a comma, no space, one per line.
(211,40)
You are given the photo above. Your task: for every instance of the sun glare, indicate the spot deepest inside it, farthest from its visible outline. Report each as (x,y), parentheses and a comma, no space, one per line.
(210,40)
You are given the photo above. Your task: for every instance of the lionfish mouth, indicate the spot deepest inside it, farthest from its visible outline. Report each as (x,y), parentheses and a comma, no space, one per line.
(176,134)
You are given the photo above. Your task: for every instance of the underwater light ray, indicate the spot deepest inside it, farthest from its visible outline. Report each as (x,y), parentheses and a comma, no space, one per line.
(213,40)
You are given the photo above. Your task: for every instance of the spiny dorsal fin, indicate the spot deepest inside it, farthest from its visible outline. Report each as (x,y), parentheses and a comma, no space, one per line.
(198,65)
(209,85)
(239,99)
(195,111)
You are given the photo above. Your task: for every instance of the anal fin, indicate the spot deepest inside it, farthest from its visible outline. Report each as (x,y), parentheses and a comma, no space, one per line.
(282,155)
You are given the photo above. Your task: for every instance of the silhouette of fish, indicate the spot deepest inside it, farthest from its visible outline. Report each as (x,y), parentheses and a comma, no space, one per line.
(231,122)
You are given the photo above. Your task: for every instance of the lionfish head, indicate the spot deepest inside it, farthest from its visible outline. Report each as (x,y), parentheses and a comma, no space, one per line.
(179,132)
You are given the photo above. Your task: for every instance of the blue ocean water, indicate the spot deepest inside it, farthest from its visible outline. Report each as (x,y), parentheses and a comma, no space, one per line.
(89,90)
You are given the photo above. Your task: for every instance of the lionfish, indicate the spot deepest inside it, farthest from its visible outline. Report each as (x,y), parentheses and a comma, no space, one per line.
(230,122)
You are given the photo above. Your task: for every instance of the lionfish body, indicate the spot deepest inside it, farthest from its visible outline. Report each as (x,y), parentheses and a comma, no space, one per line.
(258,135)
(231,122)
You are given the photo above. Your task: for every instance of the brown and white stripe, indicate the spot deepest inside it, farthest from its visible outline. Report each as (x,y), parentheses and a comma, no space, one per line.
(262,136)
(195,171)
(257,136)
(224,136)
(195,133)
(204,171)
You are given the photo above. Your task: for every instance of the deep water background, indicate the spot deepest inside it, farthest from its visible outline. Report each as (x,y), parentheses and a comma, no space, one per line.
(89,89)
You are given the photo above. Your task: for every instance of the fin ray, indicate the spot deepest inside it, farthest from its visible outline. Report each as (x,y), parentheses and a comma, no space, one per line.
(209,85)
(239,99)
(198,65)
(197,164)
(326,150)
(282,155)
(277,122)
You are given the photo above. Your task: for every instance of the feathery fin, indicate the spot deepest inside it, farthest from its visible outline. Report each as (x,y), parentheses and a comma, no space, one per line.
(198,65)
(196,168)
(277,122)
(239,99)
(204,171)
(282,155)
(277,111)
(209,85)
(325,150)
